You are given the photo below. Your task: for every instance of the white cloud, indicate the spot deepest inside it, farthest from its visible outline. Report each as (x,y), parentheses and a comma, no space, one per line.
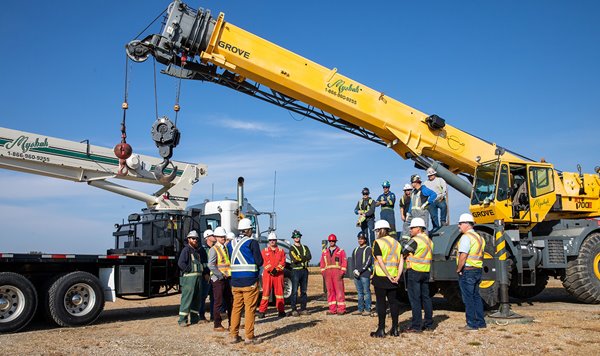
(249,126)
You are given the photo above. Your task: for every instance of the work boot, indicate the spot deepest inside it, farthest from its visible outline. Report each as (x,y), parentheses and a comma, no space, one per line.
(394,331)
(330,313)
(295,313)
(260,315)
(281,314)
(358,312)
(304,312)
(380,332)
(365,313)
(252,341)
(234,340)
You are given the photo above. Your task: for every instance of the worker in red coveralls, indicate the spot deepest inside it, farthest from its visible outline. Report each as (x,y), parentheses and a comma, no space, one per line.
(333,267)
(272,276)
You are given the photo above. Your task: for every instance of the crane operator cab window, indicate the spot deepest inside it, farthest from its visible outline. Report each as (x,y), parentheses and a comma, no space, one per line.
(519,191)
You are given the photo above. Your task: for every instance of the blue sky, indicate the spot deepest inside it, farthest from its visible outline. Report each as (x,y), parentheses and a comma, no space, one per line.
(522,74)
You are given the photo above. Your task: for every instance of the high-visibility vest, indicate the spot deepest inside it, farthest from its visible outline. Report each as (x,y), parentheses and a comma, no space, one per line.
(242,259)
(295,252)
(390,251)
(420,260)
(475,255)
(223,263)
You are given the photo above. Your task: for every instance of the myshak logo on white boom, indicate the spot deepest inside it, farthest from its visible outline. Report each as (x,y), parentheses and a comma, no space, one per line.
(24,143)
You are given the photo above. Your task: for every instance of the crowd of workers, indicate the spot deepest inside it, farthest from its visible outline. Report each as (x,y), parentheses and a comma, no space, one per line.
(227,267)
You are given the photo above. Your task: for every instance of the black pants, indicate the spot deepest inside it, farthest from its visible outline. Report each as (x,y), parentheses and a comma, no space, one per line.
(418,294)
(381,294)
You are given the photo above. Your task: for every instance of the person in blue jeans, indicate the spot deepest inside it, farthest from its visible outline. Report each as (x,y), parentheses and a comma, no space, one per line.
(300,257)
(362,258)
(469,269)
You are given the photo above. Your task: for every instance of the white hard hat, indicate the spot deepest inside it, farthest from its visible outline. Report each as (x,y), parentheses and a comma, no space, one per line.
(207,233)
(230,236)
(407,187)
(417,222)
(193,233)
(220,232)
(245,224)
(431,171)
(382,224)
(466,217)
(272,236)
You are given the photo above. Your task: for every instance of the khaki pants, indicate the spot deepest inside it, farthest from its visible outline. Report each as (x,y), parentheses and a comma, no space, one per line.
(243,298)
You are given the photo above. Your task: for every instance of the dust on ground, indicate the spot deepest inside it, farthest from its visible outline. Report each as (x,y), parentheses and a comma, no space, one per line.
(561,326)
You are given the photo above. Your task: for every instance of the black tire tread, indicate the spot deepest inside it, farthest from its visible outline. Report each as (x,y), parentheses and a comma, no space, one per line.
(54,304)
(580,280)
(12,278)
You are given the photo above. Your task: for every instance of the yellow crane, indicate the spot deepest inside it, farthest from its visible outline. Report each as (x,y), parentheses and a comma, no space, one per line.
(539,213)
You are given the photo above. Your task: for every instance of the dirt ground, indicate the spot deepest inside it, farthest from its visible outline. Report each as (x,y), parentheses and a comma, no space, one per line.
(561,326)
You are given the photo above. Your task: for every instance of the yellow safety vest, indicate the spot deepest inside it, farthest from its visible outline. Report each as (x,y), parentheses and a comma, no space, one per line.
(420,260)
(390,251)
(223,263)
(475,255)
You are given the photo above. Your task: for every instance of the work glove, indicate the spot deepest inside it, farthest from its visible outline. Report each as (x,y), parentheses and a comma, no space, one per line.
(424,205)
(356,273)
(273,272)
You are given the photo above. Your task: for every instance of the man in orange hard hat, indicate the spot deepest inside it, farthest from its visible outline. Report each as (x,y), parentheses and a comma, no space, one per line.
(333,267)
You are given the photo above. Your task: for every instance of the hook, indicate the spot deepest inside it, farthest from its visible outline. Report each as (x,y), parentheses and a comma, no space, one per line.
(159,172)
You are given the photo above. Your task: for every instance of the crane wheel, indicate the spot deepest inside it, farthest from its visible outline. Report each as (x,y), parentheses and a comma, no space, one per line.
(18,302)
(451,292)
(75,299)
(582,277)
(520,292)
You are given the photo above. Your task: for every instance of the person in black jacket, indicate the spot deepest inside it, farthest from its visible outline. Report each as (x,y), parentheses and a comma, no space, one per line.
(362,259)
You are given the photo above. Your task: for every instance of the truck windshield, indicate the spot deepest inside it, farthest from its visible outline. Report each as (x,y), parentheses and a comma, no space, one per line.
(485,183)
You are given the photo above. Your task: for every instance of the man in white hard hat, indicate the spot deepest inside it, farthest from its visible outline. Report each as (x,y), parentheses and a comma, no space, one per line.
(209,241)
(420,199)
(418,253)
(220,276)
(230,236)
(386,273)
(405,210)
(192,267)
(439,186)
(246,259)
(469,268)
(272,276)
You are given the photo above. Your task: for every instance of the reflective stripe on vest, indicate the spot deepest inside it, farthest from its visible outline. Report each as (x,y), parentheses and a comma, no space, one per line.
(238,262)
(475,255)
(420,260)
(415,199)
(302,264)
(390,252)
(223,263)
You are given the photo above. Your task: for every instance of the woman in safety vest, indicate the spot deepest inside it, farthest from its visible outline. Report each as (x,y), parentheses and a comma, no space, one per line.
(388,267)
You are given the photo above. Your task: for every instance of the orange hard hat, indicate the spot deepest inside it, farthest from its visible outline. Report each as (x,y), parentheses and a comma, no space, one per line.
(332,237)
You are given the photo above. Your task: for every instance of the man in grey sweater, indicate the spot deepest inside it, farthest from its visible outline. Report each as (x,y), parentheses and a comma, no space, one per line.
(220,276)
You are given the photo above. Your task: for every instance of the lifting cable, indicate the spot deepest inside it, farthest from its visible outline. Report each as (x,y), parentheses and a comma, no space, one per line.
(123,150)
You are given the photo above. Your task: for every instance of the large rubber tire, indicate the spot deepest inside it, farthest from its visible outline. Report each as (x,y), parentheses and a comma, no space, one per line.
(520,292)
(75,299)
(582,278)
(18,302)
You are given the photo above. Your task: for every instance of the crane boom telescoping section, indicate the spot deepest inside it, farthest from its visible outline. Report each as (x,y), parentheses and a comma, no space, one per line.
(409,132)
(81,162)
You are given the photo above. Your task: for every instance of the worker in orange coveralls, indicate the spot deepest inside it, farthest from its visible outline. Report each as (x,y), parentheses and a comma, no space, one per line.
(272,276)
(333,267)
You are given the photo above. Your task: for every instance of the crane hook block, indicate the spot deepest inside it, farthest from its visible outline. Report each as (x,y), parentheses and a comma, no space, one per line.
(160,172)
(166,136)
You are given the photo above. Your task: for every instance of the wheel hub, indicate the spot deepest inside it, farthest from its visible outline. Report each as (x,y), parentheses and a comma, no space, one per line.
(3,303)
(76,299)
(12,303)
(597,266)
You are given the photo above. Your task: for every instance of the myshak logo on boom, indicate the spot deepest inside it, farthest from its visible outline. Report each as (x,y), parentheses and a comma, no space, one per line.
(340,89)
(24,143)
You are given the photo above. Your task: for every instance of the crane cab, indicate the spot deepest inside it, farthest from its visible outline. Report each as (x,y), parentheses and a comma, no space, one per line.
(521,193)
